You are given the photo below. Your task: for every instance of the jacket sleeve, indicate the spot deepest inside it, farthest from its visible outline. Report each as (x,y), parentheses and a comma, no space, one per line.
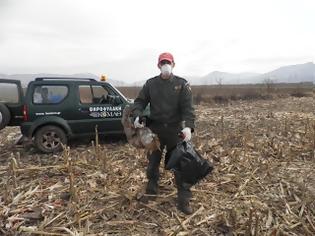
(141,101)
(186,107)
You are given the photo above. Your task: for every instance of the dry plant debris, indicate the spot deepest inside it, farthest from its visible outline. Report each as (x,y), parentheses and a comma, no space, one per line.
(263,182)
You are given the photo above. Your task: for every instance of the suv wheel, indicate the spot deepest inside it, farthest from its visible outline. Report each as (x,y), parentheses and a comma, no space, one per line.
(50,138)
(4,116)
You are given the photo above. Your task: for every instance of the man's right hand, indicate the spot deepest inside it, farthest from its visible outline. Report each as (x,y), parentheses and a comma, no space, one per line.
(138,123)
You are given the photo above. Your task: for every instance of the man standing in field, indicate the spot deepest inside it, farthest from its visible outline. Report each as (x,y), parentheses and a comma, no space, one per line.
(171,106)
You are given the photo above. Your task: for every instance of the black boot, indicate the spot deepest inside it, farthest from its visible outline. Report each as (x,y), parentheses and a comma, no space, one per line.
(183,205)
(183,194)
(150,191)
(152,187)
(153,173)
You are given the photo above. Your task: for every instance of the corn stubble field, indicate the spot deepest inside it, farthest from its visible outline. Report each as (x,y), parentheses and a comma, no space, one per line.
(263,183)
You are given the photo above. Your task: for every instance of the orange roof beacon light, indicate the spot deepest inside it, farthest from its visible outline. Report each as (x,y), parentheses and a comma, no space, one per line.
(103,78)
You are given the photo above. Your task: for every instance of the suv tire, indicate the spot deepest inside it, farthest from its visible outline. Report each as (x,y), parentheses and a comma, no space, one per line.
(5,116)
(50,138)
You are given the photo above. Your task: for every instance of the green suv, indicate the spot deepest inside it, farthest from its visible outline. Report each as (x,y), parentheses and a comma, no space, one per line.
(54,110)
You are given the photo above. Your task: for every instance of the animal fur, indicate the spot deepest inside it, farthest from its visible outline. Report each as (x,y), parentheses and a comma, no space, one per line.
(139,137)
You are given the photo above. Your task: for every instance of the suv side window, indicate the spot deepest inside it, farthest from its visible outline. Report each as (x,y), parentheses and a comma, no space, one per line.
(99,94)
(9,93)
(95,94)
(85,94)
(49,94)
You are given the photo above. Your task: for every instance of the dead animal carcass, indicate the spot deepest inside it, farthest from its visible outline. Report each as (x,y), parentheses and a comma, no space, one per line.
(139,137)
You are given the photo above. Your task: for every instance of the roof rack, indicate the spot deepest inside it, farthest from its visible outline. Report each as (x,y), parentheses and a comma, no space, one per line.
(62,78)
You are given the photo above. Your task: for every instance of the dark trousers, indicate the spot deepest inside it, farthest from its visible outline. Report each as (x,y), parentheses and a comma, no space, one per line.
(168,136)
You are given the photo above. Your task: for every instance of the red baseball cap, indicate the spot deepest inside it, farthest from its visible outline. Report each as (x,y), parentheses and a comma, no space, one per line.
(166,56)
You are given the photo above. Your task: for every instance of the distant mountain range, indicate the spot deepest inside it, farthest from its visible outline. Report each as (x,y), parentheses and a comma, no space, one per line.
(218,77)
(286,74)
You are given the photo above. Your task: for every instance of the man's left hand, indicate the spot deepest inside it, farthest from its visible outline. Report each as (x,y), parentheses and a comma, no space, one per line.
(186,134)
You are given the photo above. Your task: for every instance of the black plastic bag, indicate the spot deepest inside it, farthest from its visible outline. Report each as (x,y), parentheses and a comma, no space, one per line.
(192,166)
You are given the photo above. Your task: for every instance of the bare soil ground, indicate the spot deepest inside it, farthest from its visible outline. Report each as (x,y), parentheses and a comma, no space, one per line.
(263,182)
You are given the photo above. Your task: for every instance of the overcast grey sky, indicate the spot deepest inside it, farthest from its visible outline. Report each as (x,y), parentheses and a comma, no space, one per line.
(123,38)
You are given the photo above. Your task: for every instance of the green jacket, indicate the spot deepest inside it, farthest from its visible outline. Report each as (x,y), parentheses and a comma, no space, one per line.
(170,101)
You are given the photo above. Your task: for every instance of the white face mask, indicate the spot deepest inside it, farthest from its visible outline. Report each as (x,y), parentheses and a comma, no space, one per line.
(166,69)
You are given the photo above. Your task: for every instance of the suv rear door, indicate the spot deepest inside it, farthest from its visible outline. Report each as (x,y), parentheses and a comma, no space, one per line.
(11,94)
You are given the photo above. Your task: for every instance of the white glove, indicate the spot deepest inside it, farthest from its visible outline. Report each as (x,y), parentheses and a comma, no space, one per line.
(137,124)
(186,134)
